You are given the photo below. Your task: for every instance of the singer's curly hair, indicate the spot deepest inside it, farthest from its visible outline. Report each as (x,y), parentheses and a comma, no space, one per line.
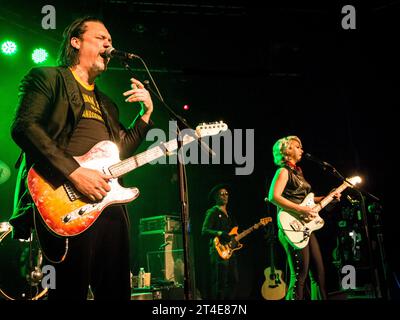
(280,148)
(68,55)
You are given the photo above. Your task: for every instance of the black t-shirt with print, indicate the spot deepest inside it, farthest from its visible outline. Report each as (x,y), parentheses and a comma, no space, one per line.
(91,128)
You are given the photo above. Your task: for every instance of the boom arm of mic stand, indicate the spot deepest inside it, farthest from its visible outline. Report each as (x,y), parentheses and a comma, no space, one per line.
(340,176)
(174,115)
(183,122)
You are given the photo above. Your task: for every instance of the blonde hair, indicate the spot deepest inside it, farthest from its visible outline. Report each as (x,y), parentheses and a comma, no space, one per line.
(280,148)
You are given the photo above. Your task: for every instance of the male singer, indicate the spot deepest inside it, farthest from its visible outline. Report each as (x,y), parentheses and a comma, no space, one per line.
(61,114)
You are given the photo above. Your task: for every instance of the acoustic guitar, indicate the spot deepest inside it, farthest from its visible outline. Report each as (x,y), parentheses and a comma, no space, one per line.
(273,288)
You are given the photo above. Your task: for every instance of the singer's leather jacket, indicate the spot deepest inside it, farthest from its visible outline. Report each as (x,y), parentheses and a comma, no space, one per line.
(50,105)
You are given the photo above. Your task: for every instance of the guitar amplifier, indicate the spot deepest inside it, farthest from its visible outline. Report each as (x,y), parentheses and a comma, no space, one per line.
(160,242)
(157,224)
(166,265)
(162,253)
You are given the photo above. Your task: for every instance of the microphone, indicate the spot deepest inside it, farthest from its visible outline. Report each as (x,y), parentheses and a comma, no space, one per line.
(114,53)
(320,162)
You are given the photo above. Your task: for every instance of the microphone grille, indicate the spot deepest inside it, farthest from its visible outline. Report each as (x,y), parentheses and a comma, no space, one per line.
(109,52)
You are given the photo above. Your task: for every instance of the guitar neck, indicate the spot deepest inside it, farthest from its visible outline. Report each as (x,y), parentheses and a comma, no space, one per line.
(247,231)
(325,201)
(271,250)
(130,164)
(272,262)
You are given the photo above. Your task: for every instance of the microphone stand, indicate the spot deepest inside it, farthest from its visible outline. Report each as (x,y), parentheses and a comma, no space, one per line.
(183,192)
(374,272)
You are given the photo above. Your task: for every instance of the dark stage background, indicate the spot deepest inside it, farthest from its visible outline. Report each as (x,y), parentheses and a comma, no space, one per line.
(278,69)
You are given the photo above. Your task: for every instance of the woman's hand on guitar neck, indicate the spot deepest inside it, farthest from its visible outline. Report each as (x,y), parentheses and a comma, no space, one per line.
(91,183)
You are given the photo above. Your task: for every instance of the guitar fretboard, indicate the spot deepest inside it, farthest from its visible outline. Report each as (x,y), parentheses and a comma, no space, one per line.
(325,201)
(247,231)
(140,159)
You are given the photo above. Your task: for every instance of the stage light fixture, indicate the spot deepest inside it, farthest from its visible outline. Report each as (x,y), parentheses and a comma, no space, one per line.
(8,47)
(39,55)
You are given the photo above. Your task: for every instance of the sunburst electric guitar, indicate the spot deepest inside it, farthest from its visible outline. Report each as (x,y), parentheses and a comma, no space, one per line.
(68,213)
(225,251)
(298,232)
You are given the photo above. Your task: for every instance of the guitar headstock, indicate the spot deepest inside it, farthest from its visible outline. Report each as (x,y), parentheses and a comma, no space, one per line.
(263,222)
(211,129)
(354,180)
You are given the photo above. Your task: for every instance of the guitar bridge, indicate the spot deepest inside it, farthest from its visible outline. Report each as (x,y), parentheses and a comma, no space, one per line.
(306,233)
(296,225)
(71,191)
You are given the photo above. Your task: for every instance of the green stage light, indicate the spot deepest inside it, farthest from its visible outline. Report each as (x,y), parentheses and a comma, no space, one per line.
(39,55)
(9,48)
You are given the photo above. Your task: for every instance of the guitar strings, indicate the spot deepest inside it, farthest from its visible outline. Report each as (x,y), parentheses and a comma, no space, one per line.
(121,167)
(140,159)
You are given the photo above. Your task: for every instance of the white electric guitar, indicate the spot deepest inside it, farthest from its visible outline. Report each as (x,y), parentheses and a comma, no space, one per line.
(298,232)
(66,212)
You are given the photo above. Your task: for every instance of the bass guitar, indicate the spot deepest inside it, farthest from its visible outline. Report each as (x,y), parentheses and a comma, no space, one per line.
(225,251)
(298,232)
(67,213)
